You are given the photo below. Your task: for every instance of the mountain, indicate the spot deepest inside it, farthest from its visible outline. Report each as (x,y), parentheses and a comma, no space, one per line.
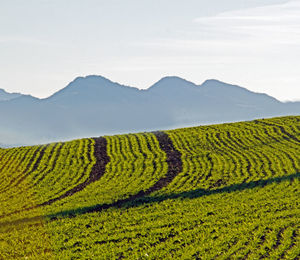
(94,105)
(4,96)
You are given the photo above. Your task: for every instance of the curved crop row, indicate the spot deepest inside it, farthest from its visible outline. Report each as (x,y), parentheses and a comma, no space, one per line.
(226,191)
(136,164)
(48,174)
(216,156)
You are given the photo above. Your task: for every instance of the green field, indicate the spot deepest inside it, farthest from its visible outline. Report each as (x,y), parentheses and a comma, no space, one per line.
(229,191)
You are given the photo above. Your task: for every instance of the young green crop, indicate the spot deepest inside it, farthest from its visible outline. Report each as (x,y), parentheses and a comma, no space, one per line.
(237,196)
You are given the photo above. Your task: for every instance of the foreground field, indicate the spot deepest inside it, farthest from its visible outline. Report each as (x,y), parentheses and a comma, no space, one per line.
(226,191)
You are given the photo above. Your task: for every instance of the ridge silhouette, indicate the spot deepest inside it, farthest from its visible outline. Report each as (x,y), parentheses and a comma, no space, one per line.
(96,106)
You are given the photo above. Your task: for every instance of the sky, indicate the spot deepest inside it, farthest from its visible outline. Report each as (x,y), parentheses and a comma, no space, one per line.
(45,44)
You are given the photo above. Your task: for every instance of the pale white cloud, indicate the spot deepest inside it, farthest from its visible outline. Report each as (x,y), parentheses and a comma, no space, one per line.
(273,22)
(44,46)
(275,25)
(258,48)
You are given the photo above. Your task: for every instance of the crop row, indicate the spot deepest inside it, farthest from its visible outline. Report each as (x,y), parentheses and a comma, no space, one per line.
(45,175)
(223,155)
(136,163)
(235,195)
(61,180)
(258,222)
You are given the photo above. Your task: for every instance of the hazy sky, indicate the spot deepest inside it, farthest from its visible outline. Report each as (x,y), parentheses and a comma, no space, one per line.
(45,44)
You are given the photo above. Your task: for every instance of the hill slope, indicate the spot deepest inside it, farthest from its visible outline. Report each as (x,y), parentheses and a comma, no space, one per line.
(94,105)
(221,191)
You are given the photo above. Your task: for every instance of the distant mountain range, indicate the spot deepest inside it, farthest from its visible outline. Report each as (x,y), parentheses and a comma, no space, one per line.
(4,96)
(94,106)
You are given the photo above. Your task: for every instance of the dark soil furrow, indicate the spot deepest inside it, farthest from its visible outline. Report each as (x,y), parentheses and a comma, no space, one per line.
(174,168)
(97,171)
(173,160)
(82,175)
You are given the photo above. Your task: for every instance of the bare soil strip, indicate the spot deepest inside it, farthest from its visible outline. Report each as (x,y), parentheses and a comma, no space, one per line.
(174,168)
(97,171)
(173,160)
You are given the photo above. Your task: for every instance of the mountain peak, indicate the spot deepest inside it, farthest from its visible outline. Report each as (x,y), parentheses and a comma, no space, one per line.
(172,83)
(88,81)
(174,79)
(215,82)
(91,86)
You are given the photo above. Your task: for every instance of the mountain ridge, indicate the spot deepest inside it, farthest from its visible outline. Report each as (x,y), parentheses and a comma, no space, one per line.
(5,96)
(94,105)
(206,83)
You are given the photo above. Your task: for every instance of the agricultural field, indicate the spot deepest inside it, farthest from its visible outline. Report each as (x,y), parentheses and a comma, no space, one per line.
(229,191)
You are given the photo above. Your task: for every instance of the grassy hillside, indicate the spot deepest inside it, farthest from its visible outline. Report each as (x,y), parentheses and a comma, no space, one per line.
(227,191)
